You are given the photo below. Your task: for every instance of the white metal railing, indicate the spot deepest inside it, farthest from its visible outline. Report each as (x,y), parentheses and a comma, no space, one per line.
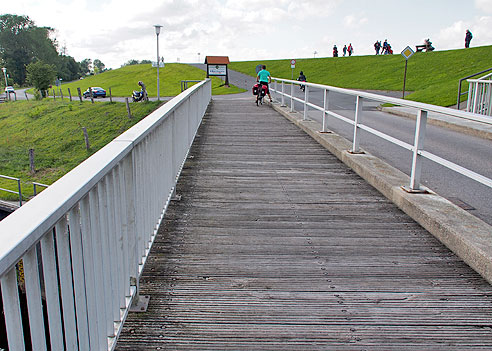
(480,95)
(81,244)
(358,124)
(19,189)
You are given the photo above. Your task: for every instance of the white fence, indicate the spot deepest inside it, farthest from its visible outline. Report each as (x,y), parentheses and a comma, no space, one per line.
(358,124)
(480,95)
(81,244)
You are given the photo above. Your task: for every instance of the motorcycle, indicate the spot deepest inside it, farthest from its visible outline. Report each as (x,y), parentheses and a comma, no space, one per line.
(137,96)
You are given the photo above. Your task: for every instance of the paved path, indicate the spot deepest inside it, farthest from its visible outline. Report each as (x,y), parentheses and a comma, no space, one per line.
(276,245)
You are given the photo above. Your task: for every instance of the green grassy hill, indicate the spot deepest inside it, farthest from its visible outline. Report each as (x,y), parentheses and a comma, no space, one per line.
(123,81)
(432,77)
(54,130)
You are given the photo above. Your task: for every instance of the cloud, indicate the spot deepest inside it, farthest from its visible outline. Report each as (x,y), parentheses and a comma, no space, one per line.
(242,29)
(306,9)
(352,21)
(484,5)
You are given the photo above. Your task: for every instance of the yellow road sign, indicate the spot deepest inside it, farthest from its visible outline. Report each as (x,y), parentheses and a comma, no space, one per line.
(407,52)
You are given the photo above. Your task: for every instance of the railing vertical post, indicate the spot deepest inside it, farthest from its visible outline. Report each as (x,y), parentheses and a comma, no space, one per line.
(420,127)
(306,98)
(325,106)
(475,97)
(20,191)
(34,302)
(489,99)
(88,270)
(66,283)
(292,97)
(11,306)
(357,121)
(97,230)
(459,95)
(50,273)
(113,244)
(103,245)
(483,103)
(469,98)
(79,282)
(283,97)
(132,228)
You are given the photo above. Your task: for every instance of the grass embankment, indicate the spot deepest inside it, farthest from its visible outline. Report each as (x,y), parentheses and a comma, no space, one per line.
(54,130)
(432,77)
(123,81)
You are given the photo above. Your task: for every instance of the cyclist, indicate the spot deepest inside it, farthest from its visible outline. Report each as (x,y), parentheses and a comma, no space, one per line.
(264,78)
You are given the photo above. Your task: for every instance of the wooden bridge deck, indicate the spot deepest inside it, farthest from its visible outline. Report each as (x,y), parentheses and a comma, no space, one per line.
(276,245)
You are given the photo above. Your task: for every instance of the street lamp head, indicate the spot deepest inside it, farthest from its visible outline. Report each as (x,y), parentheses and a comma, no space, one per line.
(157,29)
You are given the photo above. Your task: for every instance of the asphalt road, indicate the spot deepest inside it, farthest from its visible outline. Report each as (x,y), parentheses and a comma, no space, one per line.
(468,151)
(22,96)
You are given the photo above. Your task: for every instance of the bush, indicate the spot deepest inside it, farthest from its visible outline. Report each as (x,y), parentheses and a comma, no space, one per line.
(37,95)
(40,74)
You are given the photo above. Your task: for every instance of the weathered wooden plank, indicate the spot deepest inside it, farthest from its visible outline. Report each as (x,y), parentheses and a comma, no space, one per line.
(276,245)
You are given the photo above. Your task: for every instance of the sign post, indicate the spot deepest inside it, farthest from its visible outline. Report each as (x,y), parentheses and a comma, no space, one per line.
(406,53)
(293,65)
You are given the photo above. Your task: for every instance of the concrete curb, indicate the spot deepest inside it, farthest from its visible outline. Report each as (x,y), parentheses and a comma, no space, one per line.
(467,236)
(477,129)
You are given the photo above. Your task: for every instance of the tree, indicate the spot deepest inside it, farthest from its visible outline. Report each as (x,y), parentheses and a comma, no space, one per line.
(21,43)
(41,75)
(67,68)
(131,62)
(99,65)
(85,66)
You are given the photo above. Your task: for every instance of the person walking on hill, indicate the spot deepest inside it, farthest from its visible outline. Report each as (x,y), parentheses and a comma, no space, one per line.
(468,38)
(264,78)
(344,50)
(350,49)
(377,46)
(385,47)
(335,51)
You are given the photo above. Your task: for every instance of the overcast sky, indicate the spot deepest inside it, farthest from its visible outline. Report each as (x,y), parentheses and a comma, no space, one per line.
(116,31)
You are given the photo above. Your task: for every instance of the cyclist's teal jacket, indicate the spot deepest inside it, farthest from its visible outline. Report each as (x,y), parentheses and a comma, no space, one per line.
(263,74)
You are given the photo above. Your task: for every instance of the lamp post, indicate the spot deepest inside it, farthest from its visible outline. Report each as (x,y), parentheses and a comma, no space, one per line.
(157,31)
(5,75)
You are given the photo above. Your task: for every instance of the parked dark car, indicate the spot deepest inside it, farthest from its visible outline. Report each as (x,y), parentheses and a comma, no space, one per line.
(96,92)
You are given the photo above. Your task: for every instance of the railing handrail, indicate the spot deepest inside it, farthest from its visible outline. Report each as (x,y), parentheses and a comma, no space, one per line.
(358,125)
(396,101)
(458,102)
(64,193)
(95,227)
(184,83)
(19,189)
(481,80)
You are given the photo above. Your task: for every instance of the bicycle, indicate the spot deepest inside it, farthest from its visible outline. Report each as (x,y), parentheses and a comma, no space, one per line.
(261,92)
